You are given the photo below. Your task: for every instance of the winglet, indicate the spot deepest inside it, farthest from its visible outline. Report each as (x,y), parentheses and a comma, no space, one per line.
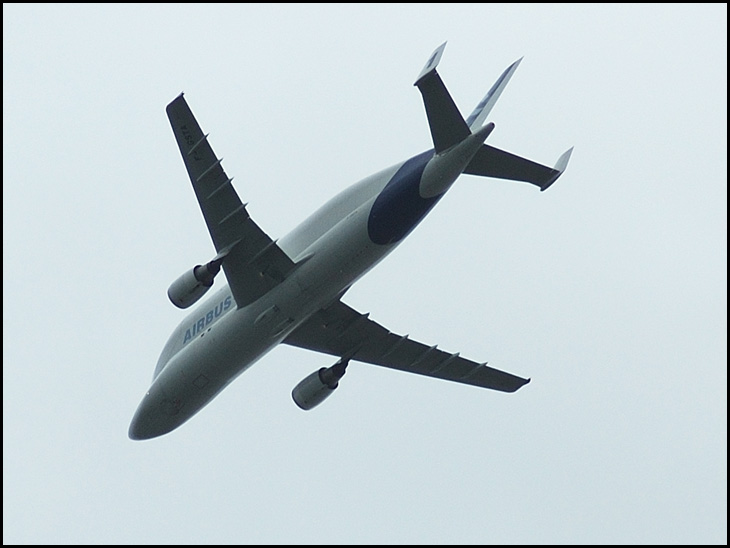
(562,162)
(433,62)
(482,110)
(559,168)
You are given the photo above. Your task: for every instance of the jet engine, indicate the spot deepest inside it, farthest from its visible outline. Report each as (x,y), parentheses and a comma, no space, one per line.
(315,388)
(188,288)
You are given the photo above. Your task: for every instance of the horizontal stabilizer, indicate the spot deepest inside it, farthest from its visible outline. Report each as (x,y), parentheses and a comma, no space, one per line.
(492,162)
(444,119)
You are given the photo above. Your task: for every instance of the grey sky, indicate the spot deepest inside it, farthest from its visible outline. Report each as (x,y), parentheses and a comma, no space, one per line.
(609,290)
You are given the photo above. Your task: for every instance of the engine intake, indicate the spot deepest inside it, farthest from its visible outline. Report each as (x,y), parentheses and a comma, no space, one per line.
(191,286)
(318,386)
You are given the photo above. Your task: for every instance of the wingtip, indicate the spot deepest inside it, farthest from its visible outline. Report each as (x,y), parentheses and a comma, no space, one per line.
(180,97)
(514,387)
(559,168)
(526,382)
(562,162)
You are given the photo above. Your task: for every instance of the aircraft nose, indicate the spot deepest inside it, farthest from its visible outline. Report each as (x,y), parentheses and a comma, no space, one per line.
(138,430)
(155,416)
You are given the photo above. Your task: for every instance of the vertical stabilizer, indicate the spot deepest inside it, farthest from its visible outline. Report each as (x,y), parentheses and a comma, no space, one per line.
(485,106)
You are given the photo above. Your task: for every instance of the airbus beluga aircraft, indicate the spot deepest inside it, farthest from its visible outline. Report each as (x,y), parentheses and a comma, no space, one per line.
(290,291)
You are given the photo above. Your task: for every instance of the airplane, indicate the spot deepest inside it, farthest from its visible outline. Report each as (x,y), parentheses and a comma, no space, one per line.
(289,291)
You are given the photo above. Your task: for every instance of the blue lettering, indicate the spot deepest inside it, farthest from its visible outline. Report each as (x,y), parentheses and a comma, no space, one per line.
(200,325)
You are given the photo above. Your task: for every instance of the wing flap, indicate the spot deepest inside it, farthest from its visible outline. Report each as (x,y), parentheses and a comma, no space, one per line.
(252,261)
(342,331)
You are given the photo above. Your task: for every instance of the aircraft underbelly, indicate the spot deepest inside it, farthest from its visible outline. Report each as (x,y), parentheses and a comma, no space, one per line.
(220,353)
(278,286)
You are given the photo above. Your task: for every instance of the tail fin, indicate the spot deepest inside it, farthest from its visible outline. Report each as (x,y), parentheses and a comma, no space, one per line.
(449,128)
(482,110)
(444,119)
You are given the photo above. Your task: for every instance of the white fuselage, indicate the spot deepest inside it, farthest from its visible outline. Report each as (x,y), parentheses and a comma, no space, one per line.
(333,248)
(217,342)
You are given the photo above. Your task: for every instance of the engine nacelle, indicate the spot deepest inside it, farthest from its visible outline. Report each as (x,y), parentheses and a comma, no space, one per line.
(188,288)
(317,387)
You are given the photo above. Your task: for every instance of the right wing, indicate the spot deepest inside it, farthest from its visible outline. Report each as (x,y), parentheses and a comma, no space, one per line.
(342,331)
(252,261)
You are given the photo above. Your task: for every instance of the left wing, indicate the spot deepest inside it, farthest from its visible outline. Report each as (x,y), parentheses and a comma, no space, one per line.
(342,331)
(252,261)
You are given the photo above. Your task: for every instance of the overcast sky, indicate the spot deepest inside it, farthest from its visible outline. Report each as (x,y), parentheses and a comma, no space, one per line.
(609,290)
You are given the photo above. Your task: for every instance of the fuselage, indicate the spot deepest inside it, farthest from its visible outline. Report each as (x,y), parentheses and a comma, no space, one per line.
(333,248)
